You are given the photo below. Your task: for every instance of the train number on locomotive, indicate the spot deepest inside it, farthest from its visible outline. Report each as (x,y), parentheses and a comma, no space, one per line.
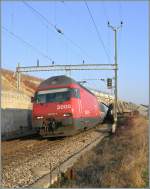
(61,107)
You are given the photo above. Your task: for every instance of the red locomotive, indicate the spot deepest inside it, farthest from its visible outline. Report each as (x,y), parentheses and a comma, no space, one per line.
(63,107)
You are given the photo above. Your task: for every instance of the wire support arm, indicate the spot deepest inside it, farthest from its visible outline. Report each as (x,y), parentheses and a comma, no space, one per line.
(67,67)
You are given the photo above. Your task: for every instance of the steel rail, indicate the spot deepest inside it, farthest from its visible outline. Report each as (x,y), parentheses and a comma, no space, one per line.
(97,139)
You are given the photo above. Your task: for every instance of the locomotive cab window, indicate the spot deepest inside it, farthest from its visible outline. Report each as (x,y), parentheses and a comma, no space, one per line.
(56,95)
(40,98)
(75,93)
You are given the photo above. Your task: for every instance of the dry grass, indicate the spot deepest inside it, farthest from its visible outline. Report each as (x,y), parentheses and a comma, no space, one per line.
(28,83)
(120,160)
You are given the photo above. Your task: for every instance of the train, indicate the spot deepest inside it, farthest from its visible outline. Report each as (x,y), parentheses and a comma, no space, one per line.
(64,107)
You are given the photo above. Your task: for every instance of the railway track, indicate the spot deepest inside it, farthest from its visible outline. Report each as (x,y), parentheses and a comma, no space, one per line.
(21,157)
(15,150)
(52,175)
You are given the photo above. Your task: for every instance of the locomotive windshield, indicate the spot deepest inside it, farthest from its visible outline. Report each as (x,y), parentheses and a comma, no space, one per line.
(56,95)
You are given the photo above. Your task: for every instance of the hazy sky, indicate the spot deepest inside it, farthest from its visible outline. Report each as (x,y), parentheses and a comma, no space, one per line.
(74,20)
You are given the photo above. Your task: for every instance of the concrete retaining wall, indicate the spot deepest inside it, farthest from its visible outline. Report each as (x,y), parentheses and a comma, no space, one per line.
(15,122)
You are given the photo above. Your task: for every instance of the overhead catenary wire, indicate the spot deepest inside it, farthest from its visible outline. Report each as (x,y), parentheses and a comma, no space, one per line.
(39,14)
(55,12)
(120,10)
(97,31)
(47,36)
(107,17)
(105,11)
(47,22)
(120,13)
(26,43)
(73,42)
(58,30)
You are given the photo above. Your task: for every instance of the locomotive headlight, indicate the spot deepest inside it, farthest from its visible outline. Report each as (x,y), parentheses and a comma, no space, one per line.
(40,117)
(67,114)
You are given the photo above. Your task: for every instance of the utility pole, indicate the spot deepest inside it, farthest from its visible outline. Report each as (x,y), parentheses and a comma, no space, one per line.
(115,29)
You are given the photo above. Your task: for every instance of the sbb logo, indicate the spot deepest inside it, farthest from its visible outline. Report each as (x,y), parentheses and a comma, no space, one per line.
(61,107)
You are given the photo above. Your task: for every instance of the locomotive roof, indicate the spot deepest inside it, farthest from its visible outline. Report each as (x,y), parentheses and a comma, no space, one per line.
(61,80)
(57,80)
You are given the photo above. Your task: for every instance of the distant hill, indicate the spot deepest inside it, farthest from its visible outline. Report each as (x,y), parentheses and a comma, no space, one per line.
(9,82)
